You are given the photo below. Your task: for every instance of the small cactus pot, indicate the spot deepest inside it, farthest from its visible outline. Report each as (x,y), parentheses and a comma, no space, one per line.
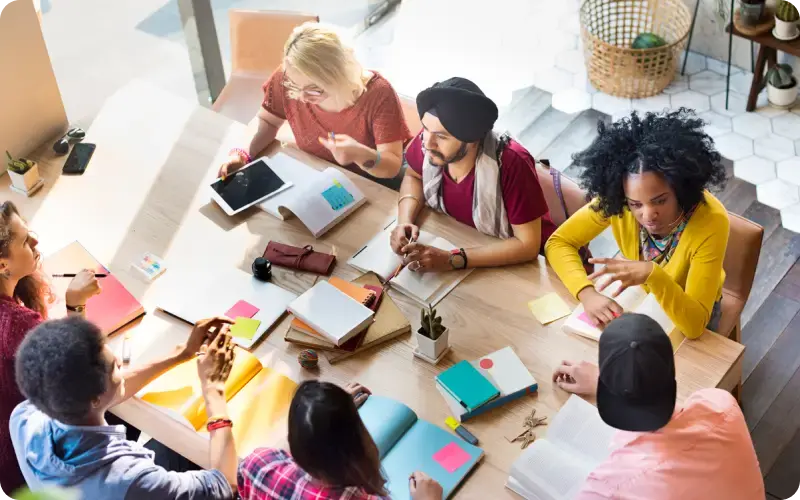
(433,348)
(785,30)
(26,181)
(782,98)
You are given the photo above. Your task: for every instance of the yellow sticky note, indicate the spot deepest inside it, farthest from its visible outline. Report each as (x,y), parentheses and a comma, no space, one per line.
(337,183)
(245,328)
(549,308)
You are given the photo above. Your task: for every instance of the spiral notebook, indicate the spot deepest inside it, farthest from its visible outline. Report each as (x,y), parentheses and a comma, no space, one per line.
(331,312)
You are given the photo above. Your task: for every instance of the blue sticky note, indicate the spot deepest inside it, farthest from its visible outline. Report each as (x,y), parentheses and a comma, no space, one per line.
(337,196)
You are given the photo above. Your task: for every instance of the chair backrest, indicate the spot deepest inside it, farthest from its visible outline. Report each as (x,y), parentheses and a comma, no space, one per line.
(258,37)
(410,113)
(740,264)
(574,196)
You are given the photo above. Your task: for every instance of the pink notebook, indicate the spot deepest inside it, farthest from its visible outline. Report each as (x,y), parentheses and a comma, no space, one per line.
(112,309)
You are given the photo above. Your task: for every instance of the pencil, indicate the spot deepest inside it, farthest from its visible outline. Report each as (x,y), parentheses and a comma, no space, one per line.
(72,275)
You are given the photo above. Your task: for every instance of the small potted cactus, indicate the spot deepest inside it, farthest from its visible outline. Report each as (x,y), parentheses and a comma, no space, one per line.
(781,86)
(24,174)
(432,336)
(786,17)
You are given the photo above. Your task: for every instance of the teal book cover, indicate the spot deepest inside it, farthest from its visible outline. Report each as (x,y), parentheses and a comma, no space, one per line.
(407,444)
(467,385)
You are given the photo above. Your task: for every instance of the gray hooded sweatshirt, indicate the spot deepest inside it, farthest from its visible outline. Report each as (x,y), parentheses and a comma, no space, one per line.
(100,463)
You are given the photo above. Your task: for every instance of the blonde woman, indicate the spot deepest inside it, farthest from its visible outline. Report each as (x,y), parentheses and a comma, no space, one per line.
(337,110)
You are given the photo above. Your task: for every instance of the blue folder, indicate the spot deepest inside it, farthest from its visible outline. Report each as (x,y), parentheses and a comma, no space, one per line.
(467,386)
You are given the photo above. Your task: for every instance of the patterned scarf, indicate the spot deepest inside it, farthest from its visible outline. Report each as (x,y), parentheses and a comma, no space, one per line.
(661,250)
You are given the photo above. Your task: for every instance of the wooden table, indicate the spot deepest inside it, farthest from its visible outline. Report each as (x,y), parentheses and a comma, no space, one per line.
(145,190)
(767,58)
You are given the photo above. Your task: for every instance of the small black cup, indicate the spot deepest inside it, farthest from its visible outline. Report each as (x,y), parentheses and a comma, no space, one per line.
(262,269)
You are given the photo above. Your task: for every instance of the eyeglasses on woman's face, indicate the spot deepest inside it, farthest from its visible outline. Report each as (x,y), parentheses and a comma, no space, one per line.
(308,90)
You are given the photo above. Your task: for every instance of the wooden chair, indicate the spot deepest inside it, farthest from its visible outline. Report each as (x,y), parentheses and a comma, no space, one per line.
(257,40)
(411,114)
(574,196)
(740,270)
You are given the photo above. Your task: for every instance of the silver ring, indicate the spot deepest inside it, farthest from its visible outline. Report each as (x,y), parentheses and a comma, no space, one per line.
(418,265)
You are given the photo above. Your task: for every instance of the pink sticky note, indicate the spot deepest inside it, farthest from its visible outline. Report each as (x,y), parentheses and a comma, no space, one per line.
(242,309)
(451,457)
(585,318)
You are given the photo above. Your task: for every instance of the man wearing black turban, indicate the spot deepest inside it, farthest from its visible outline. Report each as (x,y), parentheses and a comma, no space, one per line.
(458,165)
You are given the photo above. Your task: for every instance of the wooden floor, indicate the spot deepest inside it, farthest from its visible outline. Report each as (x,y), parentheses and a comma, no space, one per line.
(771,319)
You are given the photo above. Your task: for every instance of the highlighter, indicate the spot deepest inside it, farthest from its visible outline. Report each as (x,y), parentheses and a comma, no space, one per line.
(461,431)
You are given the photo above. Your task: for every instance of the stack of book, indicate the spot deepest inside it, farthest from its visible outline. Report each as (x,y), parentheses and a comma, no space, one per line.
(472,387)
(341,318)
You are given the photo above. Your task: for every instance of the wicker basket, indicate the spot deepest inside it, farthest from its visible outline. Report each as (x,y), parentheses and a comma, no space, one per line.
(609,27)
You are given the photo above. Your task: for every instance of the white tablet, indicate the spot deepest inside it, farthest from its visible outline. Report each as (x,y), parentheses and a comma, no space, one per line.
(251,184)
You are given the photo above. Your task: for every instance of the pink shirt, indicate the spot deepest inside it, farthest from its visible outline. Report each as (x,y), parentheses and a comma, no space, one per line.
(522,193)
(705,451)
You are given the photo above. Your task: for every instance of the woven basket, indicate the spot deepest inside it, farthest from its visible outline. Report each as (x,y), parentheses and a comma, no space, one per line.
(609,27)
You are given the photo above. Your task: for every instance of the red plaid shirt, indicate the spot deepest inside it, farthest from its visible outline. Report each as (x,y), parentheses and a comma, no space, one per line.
(268,473)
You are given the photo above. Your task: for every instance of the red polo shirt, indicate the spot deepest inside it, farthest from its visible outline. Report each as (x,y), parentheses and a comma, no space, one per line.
(522,193)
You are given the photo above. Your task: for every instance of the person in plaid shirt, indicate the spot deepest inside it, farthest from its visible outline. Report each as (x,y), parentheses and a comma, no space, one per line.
(332,456)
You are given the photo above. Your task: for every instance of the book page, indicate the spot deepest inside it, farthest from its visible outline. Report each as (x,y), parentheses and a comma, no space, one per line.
(549,472)
(386,421)
(377,255)
(329,197)
(629,299)
(290,170)
(652,308)
(579,428)
(424,286)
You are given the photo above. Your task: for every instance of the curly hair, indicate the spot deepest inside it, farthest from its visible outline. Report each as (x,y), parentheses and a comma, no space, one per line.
(60,368)
(33,291)
(671,144)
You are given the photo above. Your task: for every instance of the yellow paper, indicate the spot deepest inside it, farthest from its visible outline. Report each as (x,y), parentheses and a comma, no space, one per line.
(549,308)
(245,328)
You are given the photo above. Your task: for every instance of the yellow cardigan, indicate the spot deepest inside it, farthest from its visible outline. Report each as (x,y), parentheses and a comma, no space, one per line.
(686,287)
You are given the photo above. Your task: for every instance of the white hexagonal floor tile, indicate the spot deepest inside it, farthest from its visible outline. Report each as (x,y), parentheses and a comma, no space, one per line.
(571,60)
(721,67)
(554,80)
(797,148)
(572,100)
(733,146)
(696,63)
(737,104)
(773,147)
(678,84)
(751,125)
(754,170)
(707,82)
(770,111)
(690,99)
(778,194)
(787,125)
(655,103)
(581,82)
(716,124)
(789,170)
(609,104)
(790,217)
(740,82)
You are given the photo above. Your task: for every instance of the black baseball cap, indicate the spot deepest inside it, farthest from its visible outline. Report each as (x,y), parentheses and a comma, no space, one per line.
(636,390)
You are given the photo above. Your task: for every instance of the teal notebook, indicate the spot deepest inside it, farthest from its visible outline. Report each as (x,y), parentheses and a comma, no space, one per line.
(407,444)
(467,386)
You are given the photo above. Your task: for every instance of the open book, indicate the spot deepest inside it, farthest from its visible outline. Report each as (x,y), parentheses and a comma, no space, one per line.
(426,288)
(319,199)
(407,444)
(555,468)
(633,299)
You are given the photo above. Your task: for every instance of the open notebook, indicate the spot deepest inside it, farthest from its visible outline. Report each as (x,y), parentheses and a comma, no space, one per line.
(112,309)
(426,288)
(555,468)
(407,444)
(319,199)
(633,299)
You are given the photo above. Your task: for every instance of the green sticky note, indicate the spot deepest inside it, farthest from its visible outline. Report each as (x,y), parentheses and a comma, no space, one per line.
(245,328)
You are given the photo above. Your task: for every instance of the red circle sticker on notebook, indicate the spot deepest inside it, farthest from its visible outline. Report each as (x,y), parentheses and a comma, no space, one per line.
(486,363)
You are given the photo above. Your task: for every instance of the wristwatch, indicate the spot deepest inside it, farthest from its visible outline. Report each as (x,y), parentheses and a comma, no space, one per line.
(77,309)
(370,164)
(458,258)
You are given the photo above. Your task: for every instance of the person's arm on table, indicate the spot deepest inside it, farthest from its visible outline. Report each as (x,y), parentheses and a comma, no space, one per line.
(383,162)
(522,247)
(138,377)
(262,131)
(409,205)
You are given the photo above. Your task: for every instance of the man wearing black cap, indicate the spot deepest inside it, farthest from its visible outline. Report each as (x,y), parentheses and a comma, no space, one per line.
(459,166)
(700,450)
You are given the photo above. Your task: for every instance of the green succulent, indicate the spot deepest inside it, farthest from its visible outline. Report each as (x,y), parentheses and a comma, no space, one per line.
(786,12)
(20,165)
(431,325)
(780,76)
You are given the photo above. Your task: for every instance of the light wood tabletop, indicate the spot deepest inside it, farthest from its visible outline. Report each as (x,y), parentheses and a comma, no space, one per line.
(146,190)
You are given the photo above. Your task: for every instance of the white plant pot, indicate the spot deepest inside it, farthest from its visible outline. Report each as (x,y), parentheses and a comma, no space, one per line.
(785,30)
(433,348)
(782,98)
(24,182)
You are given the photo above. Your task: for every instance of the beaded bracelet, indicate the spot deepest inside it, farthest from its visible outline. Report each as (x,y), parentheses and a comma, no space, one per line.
(219,424)
(243,155)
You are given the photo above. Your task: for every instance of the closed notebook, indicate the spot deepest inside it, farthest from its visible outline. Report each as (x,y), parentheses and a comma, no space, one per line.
(113,308)
(331,312)
(357,292)
(467,386)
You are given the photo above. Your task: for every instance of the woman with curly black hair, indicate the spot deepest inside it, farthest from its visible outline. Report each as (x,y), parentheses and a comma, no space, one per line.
(649,178)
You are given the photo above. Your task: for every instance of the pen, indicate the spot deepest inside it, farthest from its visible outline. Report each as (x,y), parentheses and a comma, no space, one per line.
(72,275)
(126,352)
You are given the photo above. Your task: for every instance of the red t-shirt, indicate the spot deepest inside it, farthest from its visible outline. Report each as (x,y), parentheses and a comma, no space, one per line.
(375,118)
(522,193)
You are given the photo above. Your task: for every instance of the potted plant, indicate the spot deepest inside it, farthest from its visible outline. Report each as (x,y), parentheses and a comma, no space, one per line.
(781,86)
(750,12)
(432,336)
(786,17)
(24,174)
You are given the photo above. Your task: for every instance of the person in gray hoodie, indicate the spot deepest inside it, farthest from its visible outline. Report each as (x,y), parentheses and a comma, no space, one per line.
(61,438)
